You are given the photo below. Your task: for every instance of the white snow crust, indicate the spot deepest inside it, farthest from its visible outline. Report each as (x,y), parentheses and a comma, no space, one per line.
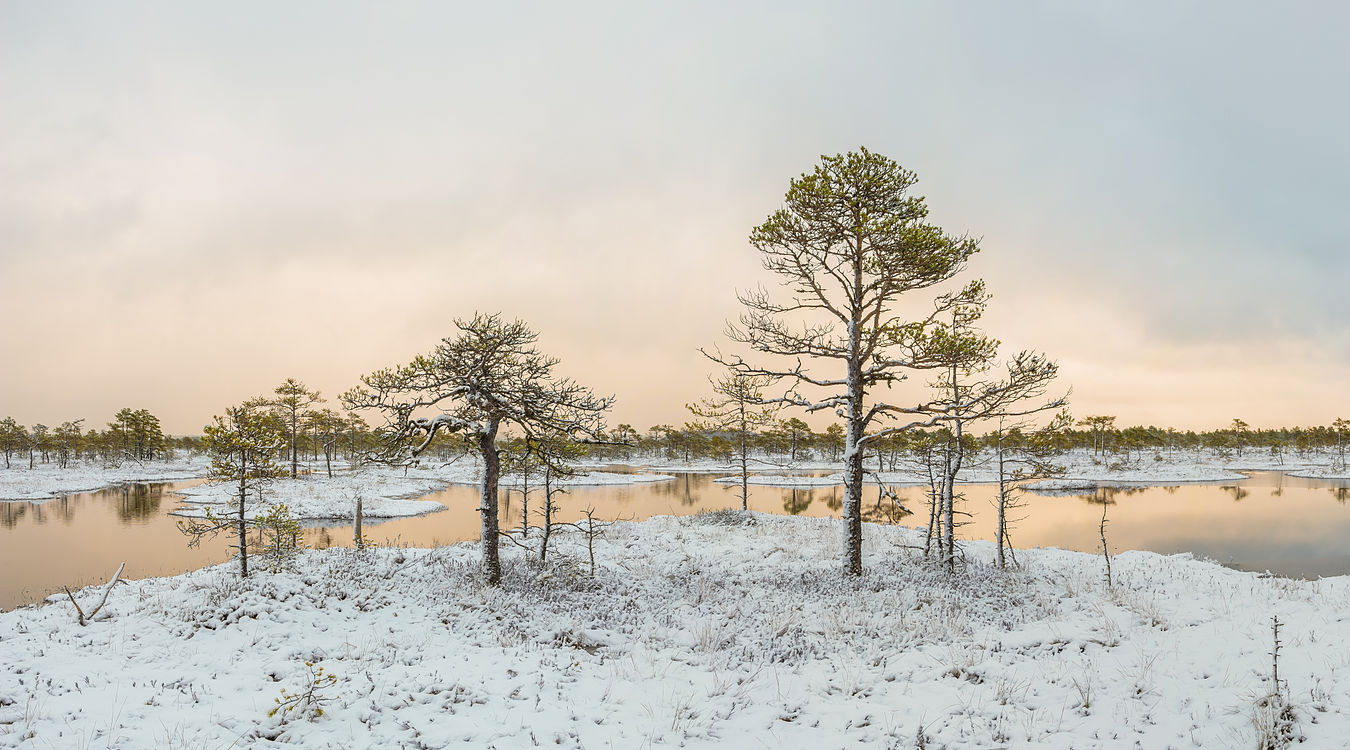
(712,631)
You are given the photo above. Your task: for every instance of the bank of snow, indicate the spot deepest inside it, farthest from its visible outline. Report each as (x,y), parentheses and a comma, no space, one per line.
(1081,471)
(48,481)
(385,492)
(722,630)
(595,479)
(781,480)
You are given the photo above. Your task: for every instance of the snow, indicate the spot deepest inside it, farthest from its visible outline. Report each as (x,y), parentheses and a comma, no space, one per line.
(48,481)
(719,630)
(593,479)
(386,492)
(1082,471)
(778,480)
(1321,472)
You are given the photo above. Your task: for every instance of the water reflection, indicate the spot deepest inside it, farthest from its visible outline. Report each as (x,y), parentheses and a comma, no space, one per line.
(1288,525)
(1108,495)
(1239,493)
(136,503)
(796,501)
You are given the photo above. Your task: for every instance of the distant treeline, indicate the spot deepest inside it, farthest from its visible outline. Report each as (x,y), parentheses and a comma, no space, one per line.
(792,440)
(135,435)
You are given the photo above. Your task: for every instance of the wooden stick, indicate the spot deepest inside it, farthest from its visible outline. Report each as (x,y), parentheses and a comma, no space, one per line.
(85,619)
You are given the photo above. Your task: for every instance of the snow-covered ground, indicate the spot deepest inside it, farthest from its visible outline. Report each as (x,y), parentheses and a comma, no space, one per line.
(48,481)
(385,492)
(1082,470)
(1322,472)
(722,630)
(782,480)
(595,479)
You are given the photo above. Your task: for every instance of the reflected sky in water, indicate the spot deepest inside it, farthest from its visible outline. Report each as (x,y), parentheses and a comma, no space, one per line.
(1290,526)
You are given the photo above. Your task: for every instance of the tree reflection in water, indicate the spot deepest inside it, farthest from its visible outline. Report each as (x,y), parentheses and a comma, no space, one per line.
(796,501)
(137,502)
(12,513)
(685,488)
(834,501)
(1236,491)
(886,510)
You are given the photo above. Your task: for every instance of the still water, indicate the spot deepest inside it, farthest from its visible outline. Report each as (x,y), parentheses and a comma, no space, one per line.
(1289,526)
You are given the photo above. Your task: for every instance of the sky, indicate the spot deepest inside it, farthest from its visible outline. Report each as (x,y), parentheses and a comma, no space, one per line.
(199,202)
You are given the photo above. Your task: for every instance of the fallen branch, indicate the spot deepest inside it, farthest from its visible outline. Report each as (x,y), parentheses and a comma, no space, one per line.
(86,619)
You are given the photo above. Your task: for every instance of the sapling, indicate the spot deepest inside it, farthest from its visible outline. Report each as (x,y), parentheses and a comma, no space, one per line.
(1273,716)
(309,700)
(242,446)
(592,529)
(1106,552)
(736,408)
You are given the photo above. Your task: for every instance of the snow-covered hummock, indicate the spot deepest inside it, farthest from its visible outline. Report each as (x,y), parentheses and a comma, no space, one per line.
(1083,471)
(385,492)
(592,479)
(780,480)
(714,631)
(48,481)
(759,463)
(1322,472)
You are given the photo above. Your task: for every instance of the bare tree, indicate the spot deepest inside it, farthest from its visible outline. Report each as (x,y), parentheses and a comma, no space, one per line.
(967,393)
(1022,458)
(521,459)
(487,377)
(849,244)
(736,408)
(556,457)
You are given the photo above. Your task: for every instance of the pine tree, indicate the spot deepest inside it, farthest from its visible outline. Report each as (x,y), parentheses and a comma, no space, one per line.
(848,246)
(488,377)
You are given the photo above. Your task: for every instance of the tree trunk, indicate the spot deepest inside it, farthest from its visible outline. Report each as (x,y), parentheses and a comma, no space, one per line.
(294,457)
(356,531)
(745,461)
(953,468)
(548,514)
(487,447)
(1002,503)
(243,531)
(853,468)
(525,499)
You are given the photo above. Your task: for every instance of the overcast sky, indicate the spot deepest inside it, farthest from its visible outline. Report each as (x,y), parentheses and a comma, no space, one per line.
(198,203)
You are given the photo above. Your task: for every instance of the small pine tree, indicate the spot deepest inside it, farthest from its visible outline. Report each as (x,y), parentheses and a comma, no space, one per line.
(242,446)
